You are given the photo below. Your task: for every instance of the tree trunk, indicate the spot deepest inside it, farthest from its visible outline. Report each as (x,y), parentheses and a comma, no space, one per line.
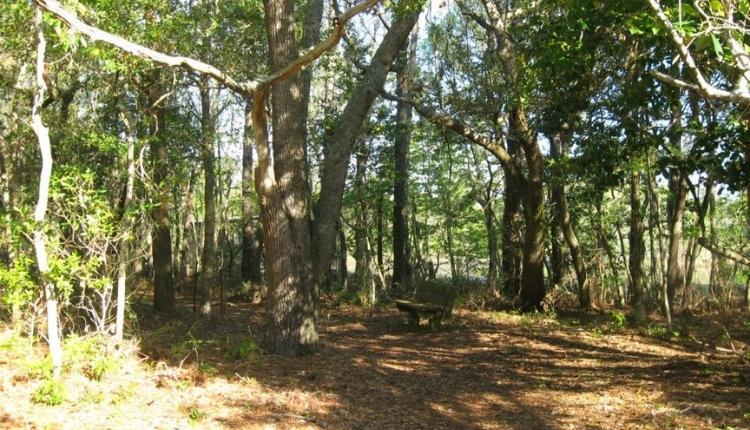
(161,244)
(208,276)
(291,315)
(402,269)
(532,274)
(123,255)
(558,149)
(675,269)
(334,169)
(42,135)
(251,254)
(656,219)
(637,249)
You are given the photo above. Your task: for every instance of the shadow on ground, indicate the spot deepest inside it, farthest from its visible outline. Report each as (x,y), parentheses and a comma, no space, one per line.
(481,371)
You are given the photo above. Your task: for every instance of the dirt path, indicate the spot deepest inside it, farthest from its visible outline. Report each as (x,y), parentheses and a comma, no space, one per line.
(483,371)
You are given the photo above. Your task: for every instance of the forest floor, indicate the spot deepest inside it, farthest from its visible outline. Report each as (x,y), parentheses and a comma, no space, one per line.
(483,370)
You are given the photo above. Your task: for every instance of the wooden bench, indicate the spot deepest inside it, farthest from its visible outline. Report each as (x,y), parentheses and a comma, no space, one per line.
(432,301)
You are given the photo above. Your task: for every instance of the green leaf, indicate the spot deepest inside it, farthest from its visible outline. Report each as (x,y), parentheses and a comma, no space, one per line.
(718,48)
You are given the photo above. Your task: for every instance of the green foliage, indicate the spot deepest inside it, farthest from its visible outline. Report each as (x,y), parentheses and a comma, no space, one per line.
(38,368)
(17,288)
(51,393)
(657,330)
(348,297)
(616,321)
(404,7)
(90,356)
(245,348)
(195,415)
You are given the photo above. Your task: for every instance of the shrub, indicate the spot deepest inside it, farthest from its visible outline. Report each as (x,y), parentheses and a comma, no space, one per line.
(50,393)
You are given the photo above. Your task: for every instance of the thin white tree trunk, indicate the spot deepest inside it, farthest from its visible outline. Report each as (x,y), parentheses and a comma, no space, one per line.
(42,134)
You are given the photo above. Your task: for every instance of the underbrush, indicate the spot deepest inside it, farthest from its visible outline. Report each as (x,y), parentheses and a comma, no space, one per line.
(92,364)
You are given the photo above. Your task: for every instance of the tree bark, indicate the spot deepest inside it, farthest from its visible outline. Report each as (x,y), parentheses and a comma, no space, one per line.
(291,316)
(161,240)
(42,134)
(532,273)
(208,268)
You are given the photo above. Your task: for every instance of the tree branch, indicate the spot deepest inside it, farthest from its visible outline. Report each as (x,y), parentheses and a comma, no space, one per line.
(96,34)
(724,252)
(319,49)
(703,87)
(244,88)
(462,129)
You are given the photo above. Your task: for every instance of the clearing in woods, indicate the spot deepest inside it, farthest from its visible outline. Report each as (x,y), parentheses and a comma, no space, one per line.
(483,370)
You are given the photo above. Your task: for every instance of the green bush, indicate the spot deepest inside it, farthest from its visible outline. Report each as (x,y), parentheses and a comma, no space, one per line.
(616,321)
(50,393)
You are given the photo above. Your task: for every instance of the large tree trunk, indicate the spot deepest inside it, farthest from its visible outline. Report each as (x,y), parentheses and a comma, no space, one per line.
(532,274)
(558,149)
(291,317)
(402,269)
(334,169)
(251,255)
(209,199)
(637,249)
(161,239)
